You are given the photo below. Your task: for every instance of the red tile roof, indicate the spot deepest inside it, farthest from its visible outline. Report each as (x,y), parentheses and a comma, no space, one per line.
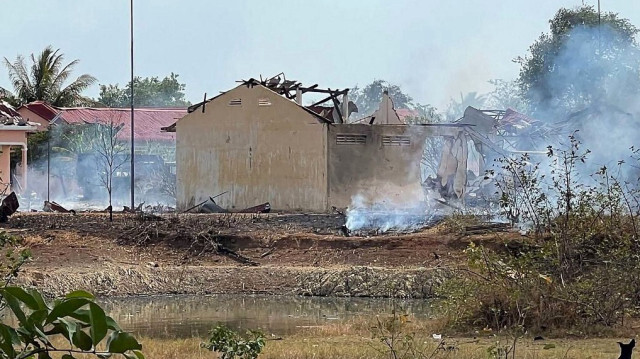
(148,121)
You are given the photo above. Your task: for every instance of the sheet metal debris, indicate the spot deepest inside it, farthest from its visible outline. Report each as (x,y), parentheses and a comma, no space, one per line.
(51,206)
(261,208)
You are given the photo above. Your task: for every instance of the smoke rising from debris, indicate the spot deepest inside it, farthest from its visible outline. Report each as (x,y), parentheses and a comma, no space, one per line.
(76,172)
(593,87)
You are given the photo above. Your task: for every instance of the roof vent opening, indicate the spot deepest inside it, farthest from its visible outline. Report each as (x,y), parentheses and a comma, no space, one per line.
(396,140)
(351,139)
(235,102)
(264,102)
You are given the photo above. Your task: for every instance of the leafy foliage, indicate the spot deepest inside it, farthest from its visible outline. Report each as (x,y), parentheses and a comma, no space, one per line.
(368,98)
(398,341)
(506,94)
(583,59)
(148,92)
(75,319)
(230,345)
(46,79)
(455,110)
(13,258)
(576,270)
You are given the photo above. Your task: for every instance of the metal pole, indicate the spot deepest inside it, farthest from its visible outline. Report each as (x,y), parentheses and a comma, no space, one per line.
(48,163)
(132,174)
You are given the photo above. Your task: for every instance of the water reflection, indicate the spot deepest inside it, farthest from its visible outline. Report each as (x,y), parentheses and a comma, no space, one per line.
(187,316)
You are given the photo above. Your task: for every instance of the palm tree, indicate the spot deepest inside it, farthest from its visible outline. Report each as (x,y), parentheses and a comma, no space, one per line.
(456,109)
(45,80)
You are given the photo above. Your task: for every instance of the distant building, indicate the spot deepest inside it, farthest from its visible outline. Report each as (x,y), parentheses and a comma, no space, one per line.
(153,148)
(13,133)
(148,122)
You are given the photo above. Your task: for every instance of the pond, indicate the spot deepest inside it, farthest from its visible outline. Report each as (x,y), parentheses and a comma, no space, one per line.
(193,316)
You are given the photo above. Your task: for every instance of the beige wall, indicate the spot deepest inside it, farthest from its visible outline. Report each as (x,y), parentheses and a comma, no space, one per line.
(376,171)
(41,123)
(259,154)
(8,139)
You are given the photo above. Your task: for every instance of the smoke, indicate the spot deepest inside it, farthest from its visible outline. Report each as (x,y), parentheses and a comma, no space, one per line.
(72,170)
(594,87)
(591,85)
(384,216)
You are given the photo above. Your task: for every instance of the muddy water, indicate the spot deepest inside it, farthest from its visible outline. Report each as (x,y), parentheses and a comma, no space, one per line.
(188,316)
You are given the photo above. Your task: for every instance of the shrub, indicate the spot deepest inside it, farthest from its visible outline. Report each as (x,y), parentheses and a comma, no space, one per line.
(231,344)
(578,268)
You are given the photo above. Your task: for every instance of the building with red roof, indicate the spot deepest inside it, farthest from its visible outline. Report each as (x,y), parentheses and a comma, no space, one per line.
(148,121)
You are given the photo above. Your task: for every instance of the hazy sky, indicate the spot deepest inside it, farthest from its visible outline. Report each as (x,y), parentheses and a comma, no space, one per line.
(433,49)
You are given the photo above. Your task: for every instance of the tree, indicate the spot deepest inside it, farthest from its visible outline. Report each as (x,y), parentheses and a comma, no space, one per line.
(368,98)
(148,92)
(505,94)
(455,110)
(585,58)
(45,80)
(111,154)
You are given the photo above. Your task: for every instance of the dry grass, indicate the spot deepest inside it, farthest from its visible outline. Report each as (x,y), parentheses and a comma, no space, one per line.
(353,340)
(356,347)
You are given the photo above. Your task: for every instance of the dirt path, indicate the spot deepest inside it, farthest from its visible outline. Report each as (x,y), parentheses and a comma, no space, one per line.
(174,254)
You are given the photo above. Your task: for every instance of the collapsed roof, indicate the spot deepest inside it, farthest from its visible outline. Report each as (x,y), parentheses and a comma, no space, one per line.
(293,90)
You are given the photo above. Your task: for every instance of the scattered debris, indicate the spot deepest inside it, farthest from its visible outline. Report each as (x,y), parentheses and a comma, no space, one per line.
(268,252)
(486,228)
(211,206)
(261,208)
(54,207)
(8,207)
(127,209)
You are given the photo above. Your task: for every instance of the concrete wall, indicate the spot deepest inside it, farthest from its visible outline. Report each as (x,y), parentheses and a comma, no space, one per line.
(380,163)
(259,153)
(10,138)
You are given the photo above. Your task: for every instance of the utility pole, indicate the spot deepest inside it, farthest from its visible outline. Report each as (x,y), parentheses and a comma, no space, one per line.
(132,174)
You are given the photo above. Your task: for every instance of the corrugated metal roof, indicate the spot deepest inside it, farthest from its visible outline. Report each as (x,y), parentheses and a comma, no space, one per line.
(42,109)
(148,121)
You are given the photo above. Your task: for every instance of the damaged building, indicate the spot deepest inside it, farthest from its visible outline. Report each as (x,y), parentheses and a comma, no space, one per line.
(257,143)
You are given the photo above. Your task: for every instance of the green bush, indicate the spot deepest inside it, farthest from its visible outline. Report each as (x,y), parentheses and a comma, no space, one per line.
(577,268)
(231,344)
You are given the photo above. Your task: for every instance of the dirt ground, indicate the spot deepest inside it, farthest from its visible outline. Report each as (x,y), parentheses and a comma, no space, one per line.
(269,246)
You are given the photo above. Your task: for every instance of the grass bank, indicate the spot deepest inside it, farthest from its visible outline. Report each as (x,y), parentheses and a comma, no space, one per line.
(341,341)
(361,339)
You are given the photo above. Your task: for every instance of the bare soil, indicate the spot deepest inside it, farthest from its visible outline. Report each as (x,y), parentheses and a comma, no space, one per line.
(65,246)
